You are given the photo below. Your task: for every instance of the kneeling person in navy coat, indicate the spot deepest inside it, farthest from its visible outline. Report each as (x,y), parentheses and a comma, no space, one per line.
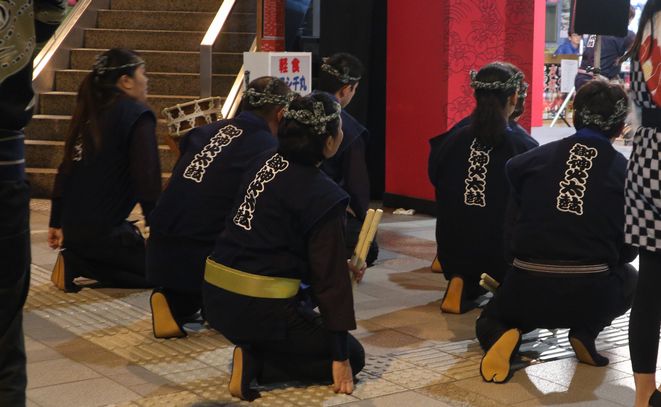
(570,262)
(287,227)
(340,76)
(467,169)
(191,211)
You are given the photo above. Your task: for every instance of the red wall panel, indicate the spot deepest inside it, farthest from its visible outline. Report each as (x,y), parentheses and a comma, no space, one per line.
(431,47)
(416,92)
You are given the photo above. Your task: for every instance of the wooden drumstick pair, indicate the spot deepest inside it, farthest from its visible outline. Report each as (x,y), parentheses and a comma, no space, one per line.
(366,236)
(488,283)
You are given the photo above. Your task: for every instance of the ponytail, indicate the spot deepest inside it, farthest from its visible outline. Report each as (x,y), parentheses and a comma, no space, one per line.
(96,93)
(489,119)
(493,85)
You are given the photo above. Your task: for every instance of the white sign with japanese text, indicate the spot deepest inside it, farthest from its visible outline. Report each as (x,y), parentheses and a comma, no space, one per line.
(294,68)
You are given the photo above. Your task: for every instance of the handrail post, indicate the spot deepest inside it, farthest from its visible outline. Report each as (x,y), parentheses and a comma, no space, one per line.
(206,70)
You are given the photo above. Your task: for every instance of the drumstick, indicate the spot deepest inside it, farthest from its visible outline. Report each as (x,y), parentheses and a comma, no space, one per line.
(361,237)
(374,225)
(489,280)
(487,287)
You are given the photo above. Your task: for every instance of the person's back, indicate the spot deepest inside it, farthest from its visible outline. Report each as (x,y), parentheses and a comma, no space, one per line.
(287,227)
(471,198)
(201,192)
(213,161)
(99,192)
(466,167)
(110,163)
(267,235)
(587,175)
(570,264)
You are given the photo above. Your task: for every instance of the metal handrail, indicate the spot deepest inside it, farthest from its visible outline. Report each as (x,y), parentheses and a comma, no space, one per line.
(206,47)
(231,104)
(55,53)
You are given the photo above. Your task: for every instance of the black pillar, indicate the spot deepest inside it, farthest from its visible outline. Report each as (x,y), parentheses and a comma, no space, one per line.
(359,28)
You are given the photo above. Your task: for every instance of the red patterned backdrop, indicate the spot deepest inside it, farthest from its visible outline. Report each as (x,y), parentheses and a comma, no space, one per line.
(273,26)
(476,34)
(438,42)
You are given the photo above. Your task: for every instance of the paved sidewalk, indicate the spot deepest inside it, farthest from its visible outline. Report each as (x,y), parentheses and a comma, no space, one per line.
(95,347)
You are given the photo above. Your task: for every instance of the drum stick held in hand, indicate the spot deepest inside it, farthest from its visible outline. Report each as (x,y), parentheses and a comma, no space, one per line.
(366,236)
(361,236)
(374,225)
(487,282)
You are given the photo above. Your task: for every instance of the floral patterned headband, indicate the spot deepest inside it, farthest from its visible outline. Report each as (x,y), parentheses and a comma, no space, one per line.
(514,82)
(257,99)
(620,113)
(317,119)
(343,76)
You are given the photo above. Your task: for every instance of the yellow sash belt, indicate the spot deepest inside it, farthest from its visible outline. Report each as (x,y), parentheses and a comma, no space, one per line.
(251,285)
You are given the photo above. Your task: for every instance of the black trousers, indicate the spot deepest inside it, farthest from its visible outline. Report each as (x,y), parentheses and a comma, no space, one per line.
(14,285)
(183,303)
(305,354)
(645,317)
(351,237)
(528,301)
(470,272)
(175,264)
(114,259)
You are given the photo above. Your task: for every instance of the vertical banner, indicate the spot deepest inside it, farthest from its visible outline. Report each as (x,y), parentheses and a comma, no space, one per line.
(568,71)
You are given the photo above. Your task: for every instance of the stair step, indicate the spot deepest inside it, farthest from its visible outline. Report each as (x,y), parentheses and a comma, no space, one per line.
(159,83)
(172,20)
(170,5)
(181,5)
(42,180)
(165,61)
(48,127)
(55,127)
(48,154)
(64,103)
(164,40)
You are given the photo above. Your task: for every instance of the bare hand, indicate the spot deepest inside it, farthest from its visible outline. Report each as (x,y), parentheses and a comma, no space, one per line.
(357,272)
(55,238)
(342,377)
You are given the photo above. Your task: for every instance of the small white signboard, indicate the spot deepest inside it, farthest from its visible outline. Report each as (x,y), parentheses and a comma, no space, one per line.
(294,68)
(568,71)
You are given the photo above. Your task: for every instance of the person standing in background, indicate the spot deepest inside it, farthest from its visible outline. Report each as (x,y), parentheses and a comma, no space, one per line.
(643,205)
(612,50)
(571,45)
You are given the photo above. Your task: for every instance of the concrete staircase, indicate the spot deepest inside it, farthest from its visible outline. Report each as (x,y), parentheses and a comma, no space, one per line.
(167,34)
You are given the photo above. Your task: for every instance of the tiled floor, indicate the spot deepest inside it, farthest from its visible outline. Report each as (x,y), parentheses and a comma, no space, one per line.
(95,347)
